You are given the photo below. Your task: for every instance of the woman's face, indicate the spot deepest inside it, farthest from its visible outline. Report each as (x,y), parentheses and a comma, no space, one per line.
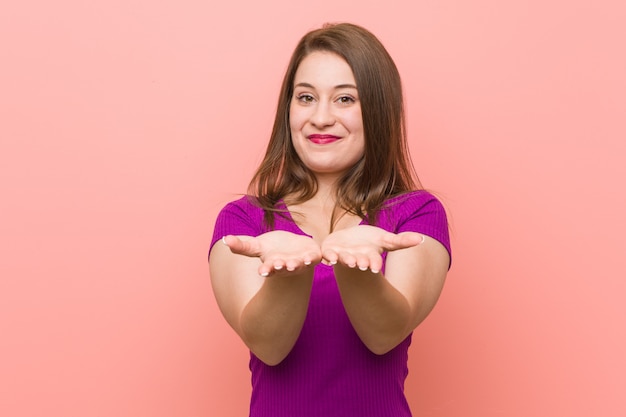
(325,115)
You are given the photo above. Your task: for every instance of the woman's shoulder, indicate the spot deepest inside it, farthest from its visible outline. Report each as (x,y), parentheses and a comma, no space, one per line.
(239,217)
(244,209)
(250,207)
(411,201)
(416,211)
(245,202)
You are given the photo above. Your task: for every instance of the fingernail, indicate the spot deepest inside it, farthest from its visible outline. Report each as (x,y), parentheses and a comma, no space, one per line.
(264,274)
(224,240)
(363,268)
(307,262)
(278,267)
(374,271)
(333,262)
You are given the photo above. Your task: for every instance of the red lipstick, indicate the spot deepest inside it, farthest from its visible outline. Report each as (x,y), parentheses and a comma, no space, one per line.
(323,139)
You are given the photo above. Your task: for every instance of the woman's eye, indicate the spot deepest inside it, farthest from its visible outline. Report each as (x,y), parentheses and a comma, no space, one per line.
(305,98)
(345,100)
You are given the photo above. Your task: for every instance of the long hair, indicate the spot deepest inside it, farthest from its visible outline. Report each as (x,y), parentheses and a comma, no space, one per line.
(385,169)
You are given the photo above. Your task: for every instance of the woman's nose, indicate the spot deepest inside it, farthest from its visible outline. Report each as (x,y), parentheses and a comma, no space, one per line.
(323,115)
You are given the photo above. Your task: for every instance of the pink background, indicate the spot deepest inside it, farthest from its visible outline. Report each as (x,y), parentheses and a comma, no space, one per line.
(126,125)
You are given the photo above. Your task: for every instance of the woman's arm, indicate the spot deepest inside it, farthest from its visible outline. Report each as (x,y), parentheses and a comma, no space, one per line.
(384,310)
(262,286)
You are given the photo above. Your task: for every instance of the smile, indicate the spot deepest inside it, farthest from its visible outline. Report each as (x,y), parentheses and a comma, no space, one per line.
(323,139)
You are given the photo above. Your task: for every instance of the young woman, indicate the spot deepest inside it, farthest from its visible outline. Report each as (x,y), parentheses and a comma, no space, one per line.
(336,254)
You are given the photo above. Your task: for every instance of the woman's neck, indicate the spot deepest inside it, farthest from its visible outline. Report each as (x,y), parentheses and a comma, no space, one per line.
(320,215)
(326,189)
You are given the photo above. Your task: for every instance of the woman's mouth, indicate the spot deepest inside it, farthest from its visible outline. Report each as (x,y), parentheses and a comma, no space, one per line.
(323,139)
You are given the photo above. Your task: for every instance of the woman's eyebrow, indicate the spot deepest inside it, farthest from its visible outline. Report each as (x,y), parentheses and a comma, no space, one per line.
(337,87)
(345,86)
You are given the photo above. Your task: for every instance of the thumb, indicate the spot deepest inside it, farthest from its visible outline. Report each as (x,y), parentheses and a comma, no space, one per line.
(403,240)
(241,247)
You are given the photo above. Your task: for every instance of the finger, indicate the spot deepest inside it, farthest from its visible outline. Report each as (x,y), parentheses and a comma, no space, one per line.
(278,264)
(270,266)
(347,259)
(229,240)
(241,247)
(330,256)
(372,261)
(310,259)
(265,270)
(363,262)
(376,263)
(314,256)
(293,264)
(402,240)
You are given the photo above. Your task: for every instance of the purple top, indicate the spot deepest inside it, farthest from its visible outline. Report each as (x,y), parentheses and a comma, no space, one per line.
(330,372)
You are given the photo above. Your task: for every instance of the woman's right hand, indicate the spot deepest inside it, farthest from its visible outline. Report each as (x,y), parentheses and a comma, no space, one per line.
(278,251)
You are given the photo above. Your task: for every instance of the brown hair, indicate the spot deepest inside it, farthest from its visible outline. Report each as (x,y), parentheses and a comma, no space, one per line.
(384,171)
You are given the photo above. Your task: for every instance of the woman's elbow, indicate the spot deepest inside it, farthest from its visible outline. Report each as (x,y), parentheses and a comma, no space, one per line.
(269,356)
(268,350)
(385,342)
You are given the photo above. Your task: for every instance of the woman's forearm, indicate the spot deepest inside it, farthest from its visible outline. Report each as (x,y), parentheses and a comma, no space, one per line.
(272,320)
(379,313)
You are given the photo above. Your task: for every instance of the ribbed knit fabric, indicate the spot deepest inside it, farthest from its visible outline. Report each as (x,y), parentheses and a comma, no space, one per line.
(330,372)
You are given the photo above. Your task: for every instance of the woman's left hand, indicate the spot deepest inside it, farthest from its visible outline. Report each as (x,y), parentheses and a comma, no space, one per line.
(362,246)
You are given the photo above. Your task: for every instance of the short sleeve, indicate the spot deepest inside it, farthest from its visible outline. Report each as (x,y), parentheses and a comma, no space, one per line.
(419,212)
(239,217)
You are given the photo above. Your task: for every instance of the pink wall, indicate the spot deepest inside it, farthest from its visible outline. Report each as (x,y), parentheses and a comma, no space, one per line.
(125,125)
